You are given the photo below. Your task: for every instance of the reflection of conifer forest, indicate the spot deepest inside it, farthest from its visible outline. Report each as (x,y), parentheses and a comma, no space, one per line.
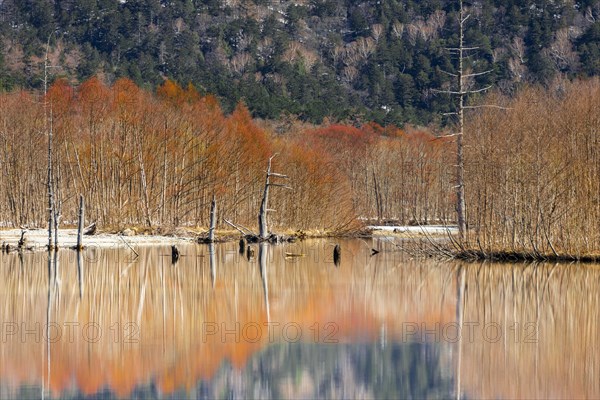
(145,114)
(542,312)
(397,371)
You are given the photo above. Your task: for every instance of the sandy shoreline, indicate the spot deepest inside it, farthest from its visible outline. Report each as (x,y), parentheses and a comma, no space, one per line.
(422,230)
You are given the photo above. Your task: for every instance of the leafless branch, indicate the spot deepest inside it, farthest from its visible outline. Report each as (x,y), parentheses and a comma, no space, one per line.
(280,185)
(463,49)
(488,106)
(449,73)
(278,175)
(478,73)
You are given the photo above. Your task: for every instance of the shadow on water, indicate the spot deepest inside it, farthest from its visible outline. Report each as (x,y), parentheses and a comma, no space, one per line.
(108,323)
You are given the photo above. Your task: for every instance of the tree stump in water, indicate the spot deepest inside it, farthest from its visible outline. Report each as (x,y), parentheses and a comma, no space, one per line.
(22,241)
(80,223)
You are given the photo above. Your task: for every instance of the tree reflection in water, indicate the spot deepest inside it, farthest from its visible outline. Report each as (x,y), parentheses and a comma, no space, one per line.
(219,325)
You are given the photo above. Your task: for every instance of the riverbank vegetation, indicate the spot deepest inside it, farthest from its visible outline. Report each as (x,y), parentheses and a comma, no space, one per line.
(532,175)
(157,159)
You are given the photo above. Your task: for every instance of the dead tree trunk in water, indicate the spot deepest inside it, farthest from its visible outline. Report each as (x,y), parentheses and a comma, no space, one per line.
(50,190)
(48,124)
(262,215)
(337,255)
(213,220)
(174,254)
(460,163)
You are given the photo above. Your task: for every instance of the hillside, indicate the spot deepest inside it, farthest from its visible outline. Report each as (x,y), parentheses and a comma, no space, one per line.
(345,60)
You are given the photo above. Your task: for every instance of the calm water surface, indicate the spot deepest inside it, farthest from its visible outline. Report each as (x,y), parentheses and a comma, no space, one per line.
(113,324)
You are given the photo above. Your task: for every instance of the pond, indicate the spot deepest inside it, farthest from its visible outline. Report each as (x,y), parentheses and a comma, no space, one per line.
(290,323)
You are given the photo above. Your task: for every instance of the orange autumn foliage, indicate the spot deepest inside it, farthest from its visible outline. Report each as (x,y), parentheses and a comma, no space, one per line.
(175,94)
(157,160)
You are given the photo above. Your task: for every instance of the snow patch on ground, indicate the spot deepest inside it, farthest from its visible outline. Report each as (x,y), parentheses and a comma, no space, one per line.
(38,238)
(423,229)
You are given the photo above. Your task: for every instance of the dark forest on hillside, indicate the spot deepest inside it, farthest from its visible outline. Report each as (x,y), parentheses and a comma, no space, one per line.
(350,61)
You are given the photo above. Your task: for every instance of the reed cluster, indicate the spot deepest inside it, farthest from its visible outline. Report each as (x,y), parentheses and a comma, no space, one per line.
(157,159)
(533,173)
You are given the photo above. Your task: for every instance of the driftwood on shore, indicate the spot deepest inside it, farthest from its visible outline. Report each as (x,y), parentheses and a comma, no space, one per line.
(90,230)
(250,237)
(272,238)
(239,228)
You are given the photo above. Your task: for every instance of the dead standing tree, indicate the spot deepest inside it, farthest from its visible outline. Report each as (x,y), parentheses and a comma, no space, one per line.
(48,124)
(262,215)
(461,94)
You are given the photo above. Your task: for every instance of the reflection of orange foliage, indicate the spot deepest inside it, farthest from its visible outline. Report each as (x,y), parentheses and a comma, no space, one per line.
(177,303)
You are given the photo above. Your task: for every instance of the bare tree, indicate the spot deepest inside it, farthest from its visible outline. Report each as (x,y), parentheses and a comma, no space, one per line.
(365,47)
(262,215)
(48,124)
(462,52)
(376,32)
(518,48)
(291,54)
(239,62)
(561,51)
(397,29)
(437,20)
